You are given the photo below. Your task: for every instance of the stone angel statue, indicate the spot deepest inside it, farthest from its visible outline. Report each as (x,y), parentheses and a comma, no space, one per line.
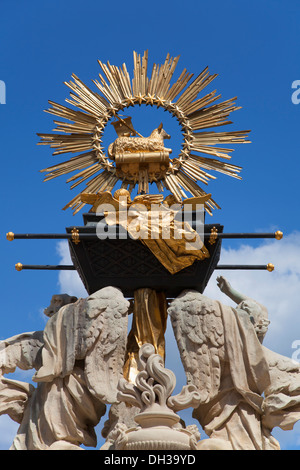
(246,389)
(78,359)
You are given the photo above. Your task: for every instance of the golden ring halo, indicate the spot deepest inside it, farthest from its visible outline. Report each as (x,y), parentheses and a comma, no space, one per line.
(87,124)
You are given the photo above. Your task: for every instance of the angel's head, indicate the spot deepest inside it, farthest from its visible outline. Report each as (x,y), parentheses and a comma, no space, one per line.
(58,301)
(170,200)
(122,193)
(258,315)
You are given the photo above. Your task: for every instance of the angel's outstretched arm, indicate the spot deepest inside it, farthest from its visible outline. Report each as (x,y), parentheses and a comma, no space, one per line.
(226,288)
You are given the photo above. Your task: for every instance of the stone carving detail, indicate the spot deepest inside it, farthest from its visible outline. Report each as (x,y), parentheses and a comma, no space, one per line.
(245,389)
(158,425)
(239,389)
(78,359)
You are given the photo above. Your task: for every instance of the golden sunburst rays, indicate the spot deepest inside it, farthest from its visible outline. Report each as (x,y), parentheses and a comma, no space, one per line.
(82,128)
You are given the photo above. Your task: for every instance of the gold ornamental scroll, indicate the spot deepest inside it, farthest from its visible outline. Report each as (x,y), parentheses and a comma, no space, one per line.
(148,326)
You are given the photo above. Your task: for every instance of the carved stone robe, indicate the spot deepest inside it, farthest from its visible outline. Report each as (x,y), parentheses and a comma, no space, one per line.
(224,359)
(82,358)
(234,412)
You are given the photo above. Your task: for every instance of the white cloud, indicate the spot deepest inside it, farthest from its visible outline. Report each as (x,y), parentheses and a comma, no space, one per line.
(278,290)
(69,281)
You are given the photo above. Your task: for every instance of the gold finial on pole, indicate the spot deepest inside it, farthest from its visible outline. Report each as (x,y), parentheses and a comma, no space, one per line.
(10,236)
(278,235)
(270,267)
(19,266)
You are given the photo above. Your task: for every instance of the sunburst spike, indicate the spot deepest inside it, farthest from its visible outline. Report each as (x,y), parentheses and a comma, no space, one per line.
(84,95)
(179,85)
(200,82)
(75,163)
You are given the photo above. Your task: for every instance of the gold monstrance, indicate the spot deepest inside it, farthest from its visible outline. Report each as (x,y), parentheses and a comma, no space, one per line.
(153,268)
(202,150)
(138,161)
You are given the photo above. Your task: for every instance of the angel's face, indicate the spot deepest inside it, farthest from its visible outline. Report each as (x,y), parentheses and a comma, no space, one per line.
(257,317)
(57,302)
(252,309)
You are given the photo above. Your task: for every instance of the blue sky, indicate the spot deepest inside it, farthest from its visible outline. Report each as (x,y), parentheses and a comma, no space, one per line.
(253,46)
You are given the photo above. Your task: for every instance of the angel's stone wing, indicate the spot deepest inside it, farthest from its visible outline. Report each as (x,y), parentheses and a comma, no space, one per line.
(23,351)
(93,331)
(105,359)
(199,333)
(282,397)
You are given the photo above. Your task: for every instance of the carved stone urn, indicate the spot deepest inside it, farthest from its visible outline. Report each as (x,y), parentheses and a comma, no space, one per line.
(158,426)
